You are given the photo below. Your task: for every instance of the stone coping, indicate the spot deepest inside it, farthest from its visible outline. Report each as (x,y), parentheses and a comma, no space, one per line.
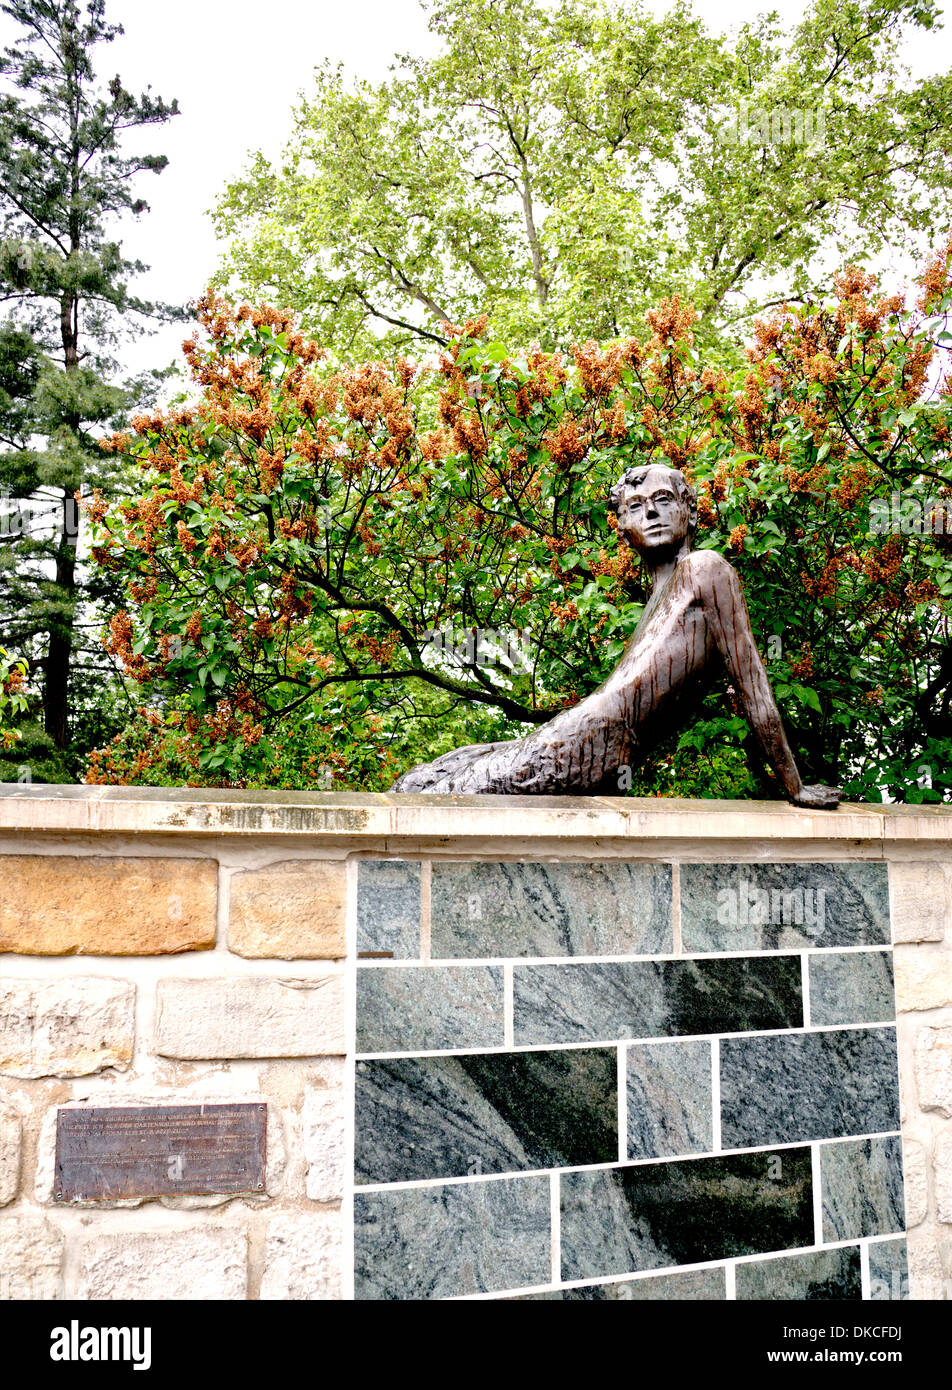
(337,817)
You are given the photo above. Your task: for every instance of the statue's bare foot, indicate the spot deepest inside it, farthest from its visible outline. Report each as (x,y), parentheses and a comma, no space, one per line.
(819,798)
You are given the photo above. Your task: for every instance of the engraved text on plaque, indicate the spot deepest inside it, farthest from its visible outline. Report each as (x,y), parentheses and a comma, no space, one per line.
(159,1151)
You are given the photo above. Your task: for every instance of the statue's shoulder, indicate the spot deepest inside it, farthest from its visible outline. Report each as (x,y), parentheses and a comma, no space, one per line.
(706,562)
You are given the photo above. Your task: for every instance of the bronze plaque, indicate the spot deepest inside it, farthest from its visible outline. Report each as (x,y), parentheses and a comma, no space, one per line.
(159,1151)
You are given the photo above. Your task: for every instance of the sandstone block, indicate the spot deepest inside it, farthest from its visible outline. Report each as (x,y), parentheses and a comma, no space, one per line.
(915,1172)
(251,1017)
(934,1069)
(942,1169)
(293,911)
(927,1278)
(10,1138)
(31,1258)
(201,1262)
(923,979)
(303,1257)
(55,905)
(920,901)
(324,1131)
(66,1027)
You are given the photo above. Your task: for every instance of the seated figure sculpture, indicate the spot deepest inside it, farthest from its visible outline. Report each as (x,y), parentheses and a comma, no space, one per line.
(694,625)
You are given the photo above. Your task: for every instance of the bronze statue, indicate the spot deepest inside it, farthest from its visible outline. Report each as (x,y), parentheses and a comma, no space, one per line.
(695,619)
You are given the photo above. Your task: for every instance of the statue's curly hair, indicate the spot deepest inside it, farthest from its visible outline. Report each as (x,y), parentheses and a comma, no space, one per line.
(633,476)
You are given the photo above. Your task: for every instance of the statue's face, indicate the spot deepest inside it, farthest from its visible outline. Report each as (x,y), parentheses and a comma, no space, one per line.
(652,515)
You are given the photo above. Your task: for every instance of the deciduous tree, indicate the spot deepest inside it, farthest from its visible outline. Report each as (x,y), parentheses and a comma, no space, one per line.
(304,531)
(566,166)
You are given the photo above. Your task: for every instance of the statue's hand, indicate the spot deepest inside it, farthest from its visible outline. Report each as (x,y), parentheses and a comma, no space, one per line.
(819,798)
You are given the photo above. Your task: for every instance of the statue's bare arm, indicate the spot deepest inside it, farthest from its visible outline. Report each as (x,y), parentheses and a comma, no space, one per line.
(720,591)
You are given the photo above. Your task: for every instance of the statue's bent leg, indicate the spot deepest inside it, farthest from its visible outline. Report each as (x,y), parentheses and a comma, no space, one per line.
(425,776)
(582,750)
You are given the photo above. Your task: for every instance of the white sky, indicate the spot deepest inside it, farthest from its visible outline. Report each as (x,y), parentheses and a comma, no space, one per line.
(236,68)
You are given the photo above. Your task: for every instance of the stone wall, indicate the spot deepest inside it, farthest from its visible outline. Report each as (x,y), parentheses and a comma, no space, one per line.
(177,947)
(629,1067)
(139,974)
(922,894)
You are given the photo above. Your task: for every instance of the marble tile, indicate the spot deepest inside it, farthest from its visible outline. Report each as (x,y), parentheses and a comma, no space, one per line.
(422,1008)
(655,999)
(808,1086)
(855,987)
(567,909)
(442,1117)
(686,1211)
(862,1188)
(694,1285)
(812,1277)
(888,1271)
(669,1099)
(441,1242)
(770,907)
(388,907)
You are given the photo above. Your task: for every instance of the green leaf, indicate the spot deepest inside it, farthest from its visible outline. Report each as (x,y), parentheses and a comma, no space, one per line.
(808,697)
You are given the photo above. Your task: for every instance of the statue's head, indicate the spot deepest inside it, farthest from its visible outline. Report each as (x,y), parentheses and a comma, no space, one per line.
(656,508)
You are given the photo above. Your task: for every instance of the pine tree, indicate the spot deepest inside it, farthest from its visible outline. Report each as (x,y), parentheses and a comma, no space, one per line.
(64,185)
